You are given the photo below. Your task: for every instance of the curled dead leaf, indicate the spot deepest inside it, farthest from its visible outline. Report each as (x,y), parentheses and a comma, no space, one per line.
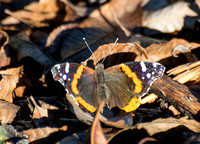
(96,133)
(8,112)
(4,53)
(155,129)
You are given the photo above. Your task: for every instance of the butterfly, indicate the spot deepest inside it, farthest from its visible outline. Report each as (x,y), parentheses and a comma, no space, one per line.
(120,86)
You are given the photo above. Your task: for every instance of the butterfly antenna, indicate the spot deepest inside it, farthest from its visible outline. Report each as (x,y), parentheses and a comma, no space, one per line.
(89,47)
(110,49)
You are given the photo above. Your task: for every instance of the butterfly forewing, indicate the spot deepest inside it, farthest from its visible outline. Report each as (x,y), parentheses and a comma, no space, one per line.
(78,80)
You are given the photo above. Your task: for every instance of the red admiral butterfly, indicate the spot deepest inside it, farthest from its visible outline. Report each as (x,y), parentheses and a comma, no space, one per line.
(120,85)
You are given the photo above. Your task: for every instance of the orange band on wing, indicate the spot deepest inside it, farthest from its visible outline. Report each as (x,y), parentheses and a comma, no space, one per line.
(75,80)
(130,74)
(85,104)
(133,105)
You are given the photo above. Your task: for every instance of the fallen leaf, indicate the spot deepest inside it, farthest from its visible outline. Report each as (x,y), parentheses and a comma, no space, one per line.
(134,52)
(76,138)
(129,14)
(96,133)
(163,53)
(8,82)
(186,73)
(155,129)
(39,133)
(8,112)
(9,135)
(38,13)
(168,19)
(162,125)
(4,53)
(38,112)
(26,49)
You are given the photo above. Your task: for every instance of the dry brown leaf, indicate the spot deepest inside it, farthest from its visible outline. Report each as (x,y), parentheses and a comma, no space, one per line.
(39,133)
(8,112)
(3,38)
(96,134)
(29,18)
(198,3)
(162,125)
(98,28)
(38,13)
(118,48)
(4,54)
(158,52)
(129,14)
(189,72)
(43,6)
(42,116)
(10,78)
(168,19)
(19,91)
(153,53)
(38,112)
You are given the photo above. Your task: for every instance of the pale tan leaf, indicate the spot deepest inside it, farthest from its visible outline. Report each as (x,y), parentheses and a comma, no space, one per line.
(168,19)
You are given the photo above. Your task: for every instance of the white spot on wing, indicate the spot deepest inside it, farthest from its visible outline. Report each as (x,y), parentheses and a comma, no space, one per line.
(58,66)
(67,68)
(155,64)
(148,75)
(64,76)
(144,68)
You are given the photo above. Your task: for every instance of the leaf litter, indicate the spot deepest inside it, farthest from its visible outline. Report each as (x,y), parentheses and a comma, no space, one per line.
(36,35)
